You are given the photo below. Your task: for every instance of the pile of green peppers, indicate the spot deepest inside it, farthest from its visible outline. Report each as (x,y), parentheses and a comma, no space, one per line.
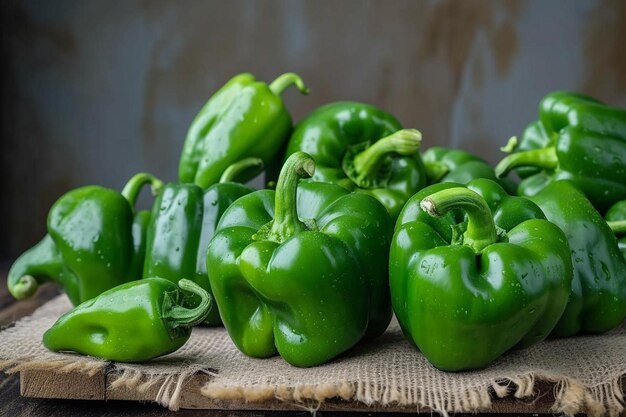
(360,223)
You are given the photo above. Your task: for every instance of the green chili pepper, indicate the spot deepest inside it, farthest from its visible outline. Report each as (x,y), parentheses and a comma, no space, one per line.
(587,146)
(597,300)
(95,241)
(301,271)
(184,218)
(475,272)
(455,165)
(133,322)
(245,118)
(361,148)
(616,218)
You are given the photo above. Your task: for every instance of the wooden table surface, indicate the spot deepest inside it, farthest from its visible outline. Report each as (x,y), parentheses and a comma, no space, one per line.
(13,405)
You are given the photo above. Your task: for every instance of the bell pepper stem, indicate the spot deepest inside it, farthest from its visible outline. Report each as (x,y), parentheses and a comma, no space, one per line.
(481,229)
(403,142)
(541,158)
(435,171)
(242,171)
(281,83)
(286,222)
(37,265)
(618,226)
(511,145)
(177,315)
(134,185)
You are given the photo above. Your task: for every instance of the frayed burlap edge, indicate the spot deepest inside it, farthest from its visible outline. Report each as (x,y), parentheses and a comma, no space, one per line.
(170,385)
(570,396)
(61,365)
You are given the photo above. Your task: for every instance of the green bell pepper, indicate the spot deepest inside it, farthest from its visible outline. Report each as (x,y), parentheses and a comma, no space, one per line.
(302,270)
(475,272)
(616,218)
(245,118)
(597,300)
(184,218)
(587,146)
(455,165)
(133,322)
(361,148)
(95,241)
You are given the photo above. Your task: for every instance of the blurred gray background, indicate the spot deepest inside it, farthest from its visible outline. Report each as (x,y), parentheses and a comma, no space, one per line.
(94,91)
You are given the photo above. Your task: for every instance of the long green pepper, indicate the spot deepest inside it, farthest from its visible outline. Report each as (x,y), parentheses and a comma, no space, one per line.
(184,218)
(133,322)
(245,118)
(95,242)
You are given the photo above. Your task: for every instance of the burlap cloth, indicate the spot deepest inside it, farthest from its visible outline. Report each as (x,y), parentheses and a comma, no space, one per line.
(385,371)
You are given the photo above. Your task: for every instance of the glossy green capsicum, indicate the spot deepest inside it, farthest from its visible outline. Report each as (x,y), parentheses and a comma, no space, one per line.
(587,146)
(95,241)
(133,322)
(616,218)
(362,148)
(302,270)
(184,218)
(597,301)
(475,272)
(245,118)
(456,165)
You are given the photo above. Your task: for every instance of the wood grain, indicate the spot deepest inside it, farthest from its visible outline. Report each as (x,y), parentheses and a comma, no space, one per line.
(47,384)
(71,385)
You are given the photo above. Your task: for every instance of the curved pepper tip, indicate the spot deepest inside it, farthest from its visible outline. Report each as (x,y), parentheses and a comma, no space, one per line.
(429,207)
(511,145)
(283,81)
(24,288)
(308,166)
(503,168)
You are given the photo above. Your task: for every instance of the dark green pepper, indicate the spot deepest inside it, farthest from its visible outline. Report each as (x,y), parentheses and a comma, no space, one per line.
(245,118)
(597,300)
(616,218)
(301,271)
(95,241)
(455,165)
(184,218)
(475,272)
(587,146)
(133,322)
(361,148)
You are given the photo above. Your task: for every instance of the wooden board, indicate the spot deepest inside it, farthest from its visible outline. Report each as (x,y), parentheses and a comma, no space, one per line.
(78,386)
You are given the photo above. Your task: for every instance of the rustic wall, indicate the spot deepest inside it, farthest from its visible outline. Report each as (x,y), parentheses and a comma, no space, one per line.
(94,91)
